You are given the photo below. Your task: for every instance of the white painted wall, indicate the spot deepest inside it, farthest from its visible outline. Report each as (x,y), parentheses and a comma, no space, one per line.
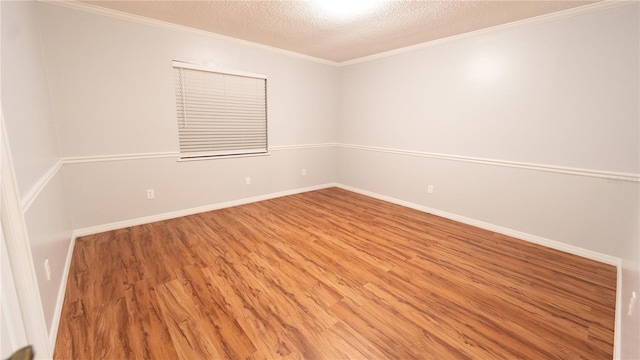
(543,94)
(25,95)
(114,191)
(563,93)
(30,127)
(49,225)
(113,94)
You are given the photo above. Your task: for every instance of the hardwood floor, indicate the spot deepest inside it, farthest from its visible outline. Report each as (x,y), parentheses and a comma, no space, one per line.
(330,274)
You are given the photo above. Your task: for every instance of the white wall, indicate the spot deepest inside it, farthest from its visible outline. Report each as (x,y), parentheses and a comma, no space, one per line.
(113,94)
(114,191)
(562,94)
(544,94)
(30,127)
(25,95)
(50,232)
(558,95)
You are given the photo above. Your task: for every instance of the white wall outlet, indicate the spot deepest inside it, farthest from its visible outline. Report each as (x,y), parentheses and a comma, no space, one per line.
(47,269)
(150,194)
(430,189)
(247,180)
(303,172)
(632,303)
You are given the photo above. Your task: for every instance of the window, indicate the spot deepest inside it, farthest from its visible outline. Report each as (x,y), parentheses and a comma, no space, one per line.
(220,114)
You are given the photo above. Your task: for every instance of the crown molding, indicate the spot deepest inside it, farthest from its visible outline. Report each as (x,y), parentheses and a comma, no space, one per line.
(581,10)
(591,8)
(75,5)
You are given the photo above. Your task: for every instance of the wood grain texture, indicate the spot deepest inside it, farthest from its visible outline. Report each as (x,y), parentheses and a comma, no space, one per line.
(330,274)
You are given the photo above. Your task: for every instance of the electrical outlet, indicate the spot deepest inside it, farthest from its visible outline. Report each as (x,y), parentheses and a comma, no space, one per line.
(303,172)
(47,269)
(247,180)
(632,303)
(150,194)
(430,189)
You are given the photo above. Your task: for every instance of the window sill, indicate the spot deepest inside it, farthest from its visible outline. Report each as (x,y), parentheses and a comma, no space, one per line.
(221,157)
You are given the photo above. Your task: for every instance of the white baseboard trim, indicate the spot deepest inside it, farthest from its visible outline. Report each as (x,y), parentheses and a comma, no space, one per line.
(589,254)
(603,258)
(185,212)
(617,331)
(55,324)
(57,313)
(53,333)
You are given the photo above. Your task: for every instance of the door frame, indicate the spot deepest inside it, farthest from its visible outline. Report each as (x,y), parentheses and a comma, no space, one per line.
(18,249)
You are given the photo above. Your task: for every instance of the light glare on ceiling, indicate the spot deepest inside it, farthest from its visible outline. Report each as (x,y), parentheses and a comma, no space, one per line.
(346,9)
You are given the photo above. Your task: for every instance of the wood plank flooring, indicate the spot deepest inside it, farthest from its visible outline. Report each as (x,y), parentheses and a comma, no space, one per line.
(330,274)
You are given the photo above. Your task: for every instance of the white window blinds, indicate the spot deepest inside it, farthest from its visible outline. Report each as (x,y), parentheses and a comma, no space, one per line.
(220,114)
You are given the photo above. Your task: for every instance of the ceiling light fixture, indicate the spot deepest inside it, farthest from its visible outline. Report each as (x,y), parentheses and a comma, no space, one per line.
(346,9)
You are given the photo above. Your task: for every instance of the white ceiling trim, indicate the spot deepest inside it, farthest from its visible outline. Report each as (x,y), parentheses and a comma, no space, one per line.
(170,26)
(590,8)
(586,9)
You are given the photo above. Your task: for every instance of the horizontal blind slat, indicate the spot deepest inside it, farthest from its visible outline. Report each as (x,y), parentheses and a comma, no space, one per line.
(220,114)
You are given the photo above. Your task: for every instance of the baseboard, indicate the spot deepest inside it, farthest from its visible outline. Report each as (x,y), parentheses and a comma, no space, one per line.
(55,323)
(185,212)
(589,254)
(617,331)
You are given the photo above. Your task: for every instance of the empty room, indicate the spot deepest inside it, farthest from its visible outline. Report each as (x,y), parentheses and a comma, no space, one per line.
(320,179)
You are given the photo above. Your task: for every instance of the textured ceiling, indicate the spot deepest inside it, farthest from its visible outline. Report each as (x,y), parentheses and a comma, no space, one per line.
(306,27)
